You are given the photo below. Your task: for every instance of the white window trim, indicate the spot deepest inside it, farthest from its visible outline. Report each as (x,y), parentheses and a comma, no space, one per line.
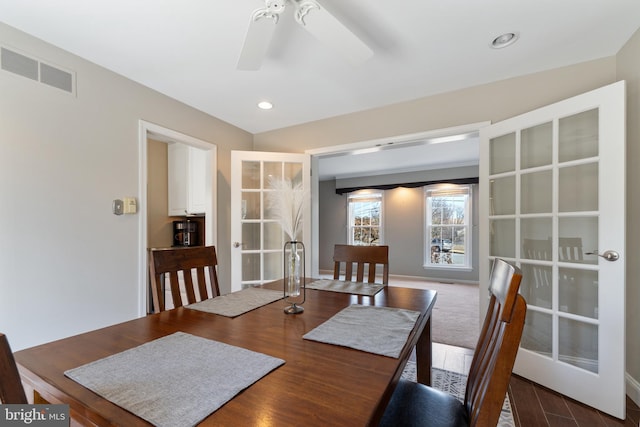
(468,232)
(363,194)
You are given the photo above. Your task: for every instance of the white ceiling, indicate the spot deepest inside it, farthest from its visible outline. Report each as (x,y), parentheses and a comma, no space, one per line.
(188,49)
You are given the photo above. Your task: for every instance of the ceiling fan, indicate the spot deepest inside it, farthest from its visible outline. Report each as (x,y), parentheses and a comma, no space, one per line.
(312,17)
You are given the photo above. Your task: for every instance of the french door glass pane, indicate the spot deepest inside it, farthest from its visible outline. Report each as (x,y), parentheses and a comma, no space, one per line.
(250,175)
(578,292)
(271,169)
(577,236)
(578,344)
(578,188)
(502,238)
(503,154)
(250,205)
(250,236)
(293,171)
(536,146)
(536,238)
(503,196)
(536,192)
(273,265)
(273,236)
(536,286)
(250,266)
(578,136)
(537,336)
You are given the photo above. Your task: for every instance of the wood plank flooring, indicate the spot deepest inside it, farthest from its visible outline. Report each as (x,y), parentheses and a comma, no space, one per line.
(534,405)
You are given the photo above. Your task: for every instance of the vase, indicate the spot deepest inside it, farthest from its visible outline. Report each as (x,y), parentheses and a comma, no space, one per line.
(293,284)
(294,272)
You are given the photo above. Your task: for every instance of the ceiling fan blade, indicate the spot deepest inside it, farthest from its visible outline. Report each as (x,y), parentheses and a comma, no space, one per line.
(261,28)
(327,29)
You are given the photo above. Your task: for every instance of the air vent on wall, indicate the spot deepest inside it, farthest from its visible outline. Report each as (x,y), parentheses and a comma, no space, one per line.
(37,70)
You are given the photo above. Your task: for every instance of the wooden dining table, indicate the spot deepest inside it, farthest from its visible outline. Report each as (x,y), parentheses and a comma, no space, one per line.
(318,385)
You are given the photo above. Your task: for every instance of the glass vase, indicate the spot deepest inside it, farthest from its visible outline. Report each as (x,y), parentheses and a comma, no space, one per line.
(294,273)
(293,284)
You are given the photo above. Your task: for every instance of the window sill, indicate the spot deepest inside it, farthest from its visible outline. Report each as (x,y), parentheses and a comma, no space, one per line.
(447,267)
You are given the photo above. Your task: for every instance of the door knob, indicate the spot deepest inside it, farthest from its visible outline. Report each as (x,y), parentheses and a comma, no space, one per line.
(237,244)
(608,255)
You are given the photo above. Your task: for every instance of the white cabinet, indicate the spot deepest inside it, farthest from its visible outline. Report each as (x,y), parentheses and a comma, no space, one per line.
(187,179)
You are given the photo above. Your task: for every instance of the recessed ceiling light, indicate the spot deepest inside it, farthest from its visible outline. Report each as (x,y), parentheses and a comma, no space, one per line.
(265,105)
(504,40)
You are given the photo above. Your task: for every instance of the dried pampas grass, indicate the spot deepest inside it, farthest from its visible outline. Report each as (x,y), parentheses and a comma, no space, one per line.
(286,203)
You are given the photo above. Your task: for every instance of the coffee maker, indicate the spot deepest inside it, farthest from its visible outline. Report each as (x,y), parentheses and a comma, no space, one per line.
(185,233)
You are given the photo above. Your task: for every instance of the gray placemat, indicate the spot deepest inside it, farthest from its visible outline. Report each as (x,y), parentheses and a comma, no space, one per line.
(379,330)
(357,288)
(177,380)
(237,303)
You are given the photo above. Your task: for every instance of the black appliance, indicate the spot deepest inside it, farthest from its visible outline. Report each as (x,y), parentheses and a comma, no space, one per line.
(185,233)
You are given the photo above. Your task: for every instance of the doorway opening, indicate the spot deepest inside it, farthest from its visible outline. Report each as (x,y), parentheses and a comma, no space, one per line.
(150,133)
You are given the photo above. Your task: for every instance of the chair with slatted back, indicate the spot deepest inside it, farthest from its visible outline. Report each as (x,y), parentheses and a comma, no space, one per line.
(182,262)
(11,390)
(371,256)
(414,404)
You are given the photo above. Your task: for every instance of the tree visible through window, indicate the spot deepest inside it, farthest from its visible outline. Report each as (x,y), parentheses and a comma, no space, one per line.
(448,228)
(365,218)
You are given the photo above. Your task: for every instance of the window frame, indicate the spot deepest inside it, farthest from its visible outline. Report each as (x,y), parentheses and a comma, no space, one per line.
(442,190)
(362,195)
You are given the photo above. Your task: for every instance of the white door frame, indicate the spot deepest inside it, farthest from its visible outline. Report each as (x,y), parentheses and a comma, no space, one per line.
(159,133)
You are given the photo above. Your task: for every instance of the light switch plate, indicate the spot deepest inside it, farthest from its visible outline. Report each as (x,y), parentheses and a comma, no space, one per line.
(130,205)
(118,207)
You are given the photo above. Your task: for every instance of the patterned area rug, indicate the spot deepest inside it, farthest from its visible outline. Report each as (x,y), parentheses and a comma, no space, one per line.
(455,384)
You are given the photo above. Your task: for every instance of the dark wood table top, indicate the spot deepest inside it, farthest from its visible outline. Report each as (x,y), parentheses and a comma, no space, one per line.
(320,384)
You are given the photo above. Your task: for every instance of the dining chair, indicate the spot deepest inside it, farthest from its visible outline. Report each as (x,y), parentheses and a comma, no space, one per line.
(361,256)
(414,404)
(11,390)
(176,262)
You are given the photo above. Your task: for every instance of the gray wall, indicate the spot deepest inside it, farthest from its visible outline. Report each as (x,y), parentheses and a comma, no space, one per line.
(403,220)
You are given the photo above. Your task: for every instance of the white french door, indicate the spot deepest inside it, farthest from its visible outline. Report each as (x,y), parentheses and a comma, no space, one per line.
(257,239)
(553,203)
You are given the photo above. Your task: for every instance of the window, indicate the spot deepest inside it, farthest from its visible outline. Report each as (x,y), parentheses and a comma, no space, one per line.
(448,226)
(365,218)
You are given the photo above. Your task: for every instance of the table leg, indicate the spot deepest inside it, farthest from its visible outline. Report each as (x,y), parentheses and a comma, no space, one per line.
(423,355)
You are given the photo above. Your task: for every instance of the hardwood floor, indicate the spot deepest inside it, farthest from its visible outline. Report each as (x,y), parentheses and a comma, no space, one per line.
(534,405)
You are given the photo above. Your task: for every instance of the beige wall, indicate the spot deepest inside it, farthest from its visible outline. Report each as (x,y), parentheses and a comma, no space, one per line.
(63,159)
(628,64)
(490,102)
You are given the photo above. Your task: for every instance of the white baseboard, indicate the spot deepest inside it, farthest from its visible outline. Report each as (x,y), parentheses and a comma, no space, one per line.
(432,279)
(633,389)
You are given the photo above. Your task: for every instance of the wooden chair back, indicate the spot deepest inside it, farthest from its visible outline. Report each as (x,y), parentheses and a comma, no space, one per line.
(361,256)
(171,262)
(11,390)
(497,347)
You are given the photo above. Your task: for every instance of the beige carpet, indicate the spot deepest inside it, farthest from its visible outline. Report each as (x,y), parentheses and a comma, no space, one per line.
(456,319)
